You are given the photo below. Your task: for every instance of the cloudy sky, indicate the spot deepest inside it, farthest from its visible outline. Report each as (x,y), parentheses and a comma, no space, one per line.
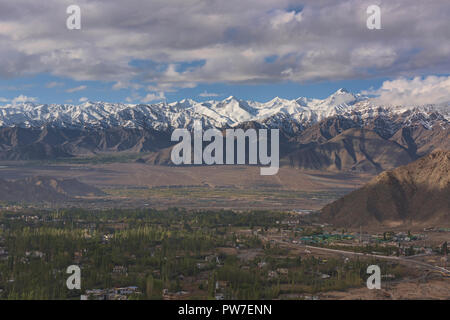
(145,51)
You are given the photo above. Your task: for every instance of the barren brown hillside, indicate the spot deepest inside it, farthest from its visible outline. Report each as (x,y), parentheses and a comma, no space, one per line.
(416,194)
(44,189)
(354,149)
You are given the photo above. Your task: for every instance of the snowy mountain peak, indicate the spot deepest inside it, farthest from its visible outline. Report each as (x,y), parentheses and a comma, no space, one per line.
(341,91)
(228,112)
(231,98)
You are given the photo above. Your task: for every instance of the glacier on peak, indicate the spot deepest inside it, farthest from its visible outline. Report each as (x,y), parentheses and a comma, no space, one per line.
(215,113)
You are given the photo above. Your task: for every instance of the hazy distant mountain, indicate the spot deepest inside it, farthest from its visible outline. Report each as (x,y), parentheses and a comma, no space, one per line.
(418,193)
(47,189)
(353,150)
(50,142)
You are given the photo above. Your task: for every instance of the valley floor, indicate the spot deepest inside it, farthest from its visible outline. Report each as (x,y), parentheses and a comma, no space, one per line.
(433,289)
(218,187)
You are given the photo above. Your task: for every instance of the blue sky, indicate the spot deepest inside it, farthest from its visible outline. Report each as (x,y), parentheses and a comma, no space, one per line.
(49,89)
(145,52)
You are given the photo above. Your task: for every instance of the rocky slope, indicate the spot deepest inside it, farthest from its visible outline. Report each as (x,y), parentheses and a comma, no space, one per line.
(415,194)
(301,113)
(44,189)
(342,132)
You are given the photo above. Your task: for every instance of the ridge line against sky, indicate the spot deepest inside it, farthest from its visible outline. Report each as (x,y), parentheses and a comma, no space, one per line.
(144,52)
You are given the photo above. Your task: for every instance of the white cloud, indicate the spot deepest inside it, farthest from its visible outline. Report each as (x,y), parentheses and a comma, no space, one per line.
(125,85)
(150,97)
(83,99)
(17,88)
(171,86)
(54,84)
(23,99)
(282,18)
(208,94)
(413,92)
(3,99)
(79,88)
(326,40)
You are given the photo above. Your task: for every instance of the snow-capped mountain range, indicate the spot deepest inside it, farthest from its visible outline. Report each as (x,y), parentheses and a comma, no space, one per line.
(229,112)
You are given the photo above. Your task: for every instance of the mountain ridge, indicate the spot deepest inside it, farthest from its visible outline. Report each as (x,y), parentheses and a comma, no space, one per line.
(416,194)
(320,134)
(46,189)
(229,112)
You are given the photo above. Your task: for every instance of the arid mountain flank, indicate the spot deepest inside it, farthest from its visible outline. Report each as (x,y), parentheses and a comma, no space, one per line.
(344,132)
(353,150)
(415,194)
(45,189)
